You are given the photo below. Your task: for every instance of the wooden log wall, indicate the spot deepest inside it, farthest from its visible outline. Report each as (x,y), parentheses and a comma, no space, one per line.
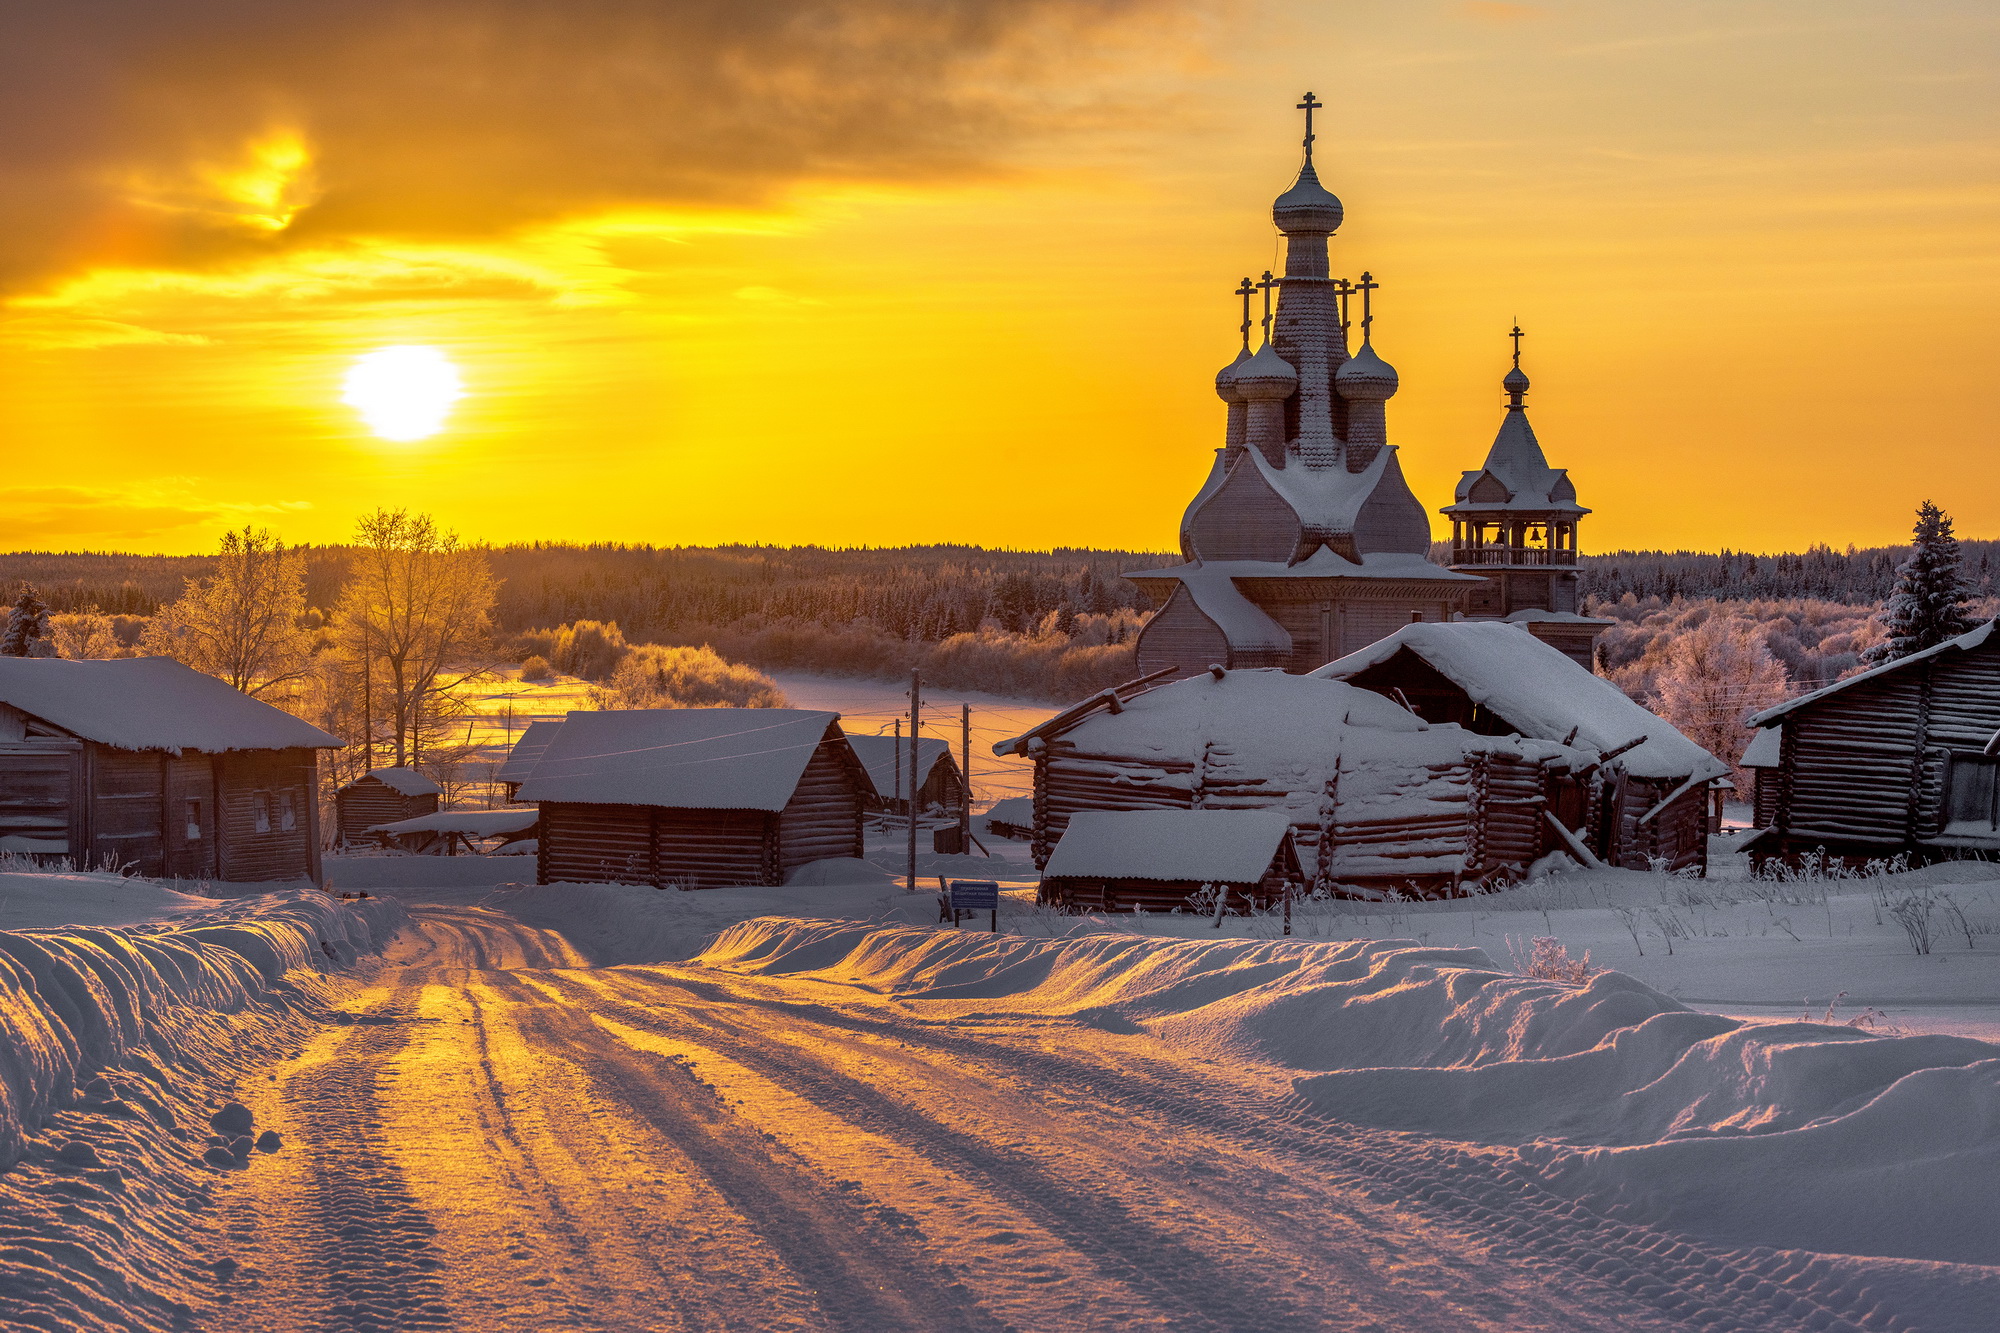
(637,844)
(366,802)
(127,804)
(41,793)
(265,821)
(1152,895)
(595,844)
(823,818)
(1847,780)
(1512,833)
(190,816)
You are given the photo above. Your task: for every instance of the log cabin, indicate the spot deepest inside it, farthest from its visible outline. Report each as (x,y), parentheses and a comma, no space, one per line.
(1378,799)
(382,796)
(695,797)
(148,766)
(1900,759)
(1643,803)
(1160,860)
(887,759)
(521,758)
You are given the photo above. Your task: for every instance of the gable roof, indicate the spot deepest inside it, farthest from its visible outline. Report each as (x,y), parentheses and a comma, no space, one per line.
(402,781)
(521,759)
(1212,846)
(1764,748)
(887,759)
(151,703)
(1540,691)
(1964,643)
(681,758)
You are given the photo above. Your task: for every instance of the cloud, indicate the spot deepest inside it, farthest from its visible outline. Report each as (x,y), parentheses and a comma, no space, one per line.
(200,132)
(72,514)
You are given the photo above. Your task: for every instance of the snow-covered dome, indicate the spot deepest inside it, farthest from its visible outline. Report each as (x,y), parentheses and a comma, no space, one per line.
(1516,381)
(1266,376)
(1225,378)
(1366,377)
(1308,206)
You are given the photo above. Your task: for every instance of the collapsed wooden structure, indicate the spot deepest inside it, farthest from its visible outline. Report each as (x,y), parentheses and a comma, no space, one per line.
(1377,798)
(382,796)
(1902,759)
(940,785)
(695,797)
(141,763)
(447,832)
(1645,801)
(1160,860)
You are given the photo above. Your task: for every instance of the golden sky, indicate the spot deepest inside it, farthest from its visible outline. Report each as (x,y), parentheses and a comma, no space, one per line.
(889,271)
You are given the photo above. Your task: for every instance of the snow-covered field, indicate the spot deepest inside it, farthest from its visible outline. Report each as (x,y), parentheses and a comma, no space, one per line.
(601,1107)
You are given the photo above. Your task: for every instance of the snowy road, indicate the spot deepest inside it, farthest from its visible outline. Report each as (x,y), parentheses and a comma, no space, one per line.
(507,1139)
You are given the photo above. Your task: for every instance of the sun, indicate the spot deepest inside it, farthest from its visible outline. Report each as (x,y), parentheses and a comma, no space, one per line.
(403,393)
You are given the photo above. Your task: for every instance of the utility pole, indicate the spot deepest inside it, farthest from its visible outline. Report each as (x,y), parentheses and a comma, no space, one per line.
(965,779)
(916,705)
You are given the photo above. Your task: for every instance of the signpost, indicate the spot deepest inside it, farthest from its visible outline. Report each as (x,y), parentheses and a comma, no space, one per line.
(976,895)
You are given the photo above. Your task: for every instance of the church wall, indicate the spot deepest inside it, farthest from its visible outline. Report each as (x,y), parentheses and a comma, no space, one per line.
(1245,521)
(1393,519)
(1179,635)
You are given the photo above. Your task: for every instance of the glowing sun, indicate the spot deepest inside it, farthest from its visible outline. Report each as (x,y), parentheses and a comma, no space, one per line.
(403,393)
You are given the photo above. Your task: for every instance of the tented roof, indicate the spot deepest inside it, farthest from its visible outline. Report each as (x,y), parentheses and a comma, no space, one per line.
(521,759)
(1540,691)
(1963,643)
(404,781)
(151,703)
(680,758)
(1211,846)
(1516,461)
(887,759)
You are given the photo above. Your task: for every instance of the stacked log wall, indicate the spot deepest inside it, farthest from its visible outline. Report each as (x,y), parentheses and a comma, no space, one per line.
(823,818)
(128,793)
(1513,834)
(711,849)
(595,844)
(1850,774)
(366,802)
(271,781)
(190,802)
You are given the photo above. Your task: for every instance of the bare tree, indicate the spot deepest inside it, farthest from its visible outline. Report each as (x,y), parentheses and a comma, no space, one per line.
(245,623)
(85,634)
(415,608)
(1714,676)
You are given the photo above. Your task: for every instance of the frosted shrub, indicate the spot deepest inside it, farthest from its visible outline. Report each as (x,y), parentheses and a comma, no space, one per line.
(1549,960)
(655,676)
(537,668)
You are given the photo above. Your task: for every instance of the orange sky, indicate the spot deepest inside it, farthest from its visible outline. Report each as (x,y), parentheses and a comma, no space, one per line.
(899,279)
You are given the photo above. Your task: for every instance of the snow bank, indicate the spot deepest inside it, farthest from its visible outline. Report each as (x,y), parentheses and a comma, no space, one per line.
(1795,1134)
(80,1000)
(34,901)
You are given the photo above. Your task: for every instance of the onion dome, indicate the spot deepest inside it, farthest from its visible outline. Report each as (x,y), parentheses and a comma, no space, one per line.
(1516,382)
(1308,206)
(1366,377)
(1266,376)
(1225,378)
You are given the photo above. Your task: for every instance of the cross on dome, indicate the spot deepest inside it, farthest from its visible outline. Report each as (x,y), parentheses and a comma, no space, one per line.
(1310,105)
(1366,287)
(1245,290)
(1516,335)
(1266,285)
(1343,289)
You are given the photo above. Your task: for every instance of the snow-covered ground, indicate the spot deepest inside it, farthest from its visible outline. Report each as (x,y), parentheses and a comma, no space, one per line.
(606,1107)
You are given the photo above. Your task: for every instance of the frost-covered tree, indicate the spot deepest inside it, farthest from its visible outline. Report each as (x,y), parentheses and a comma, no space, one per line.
(246,622)
(27,627)
(1714,676)
(1928,603)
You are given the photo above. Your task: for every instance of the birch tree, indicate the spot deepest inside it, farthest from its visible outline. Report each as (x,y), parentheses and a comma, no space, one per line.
(245,623)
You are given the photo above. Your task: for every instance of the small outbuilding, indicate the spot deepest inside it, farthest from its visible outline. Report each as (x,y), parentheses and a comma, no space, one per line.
(1159,860)
(1901,759)
(940,786)
(143,763)
(521,758)
(447,831)
(1642,801)
(695,797)
(382,796)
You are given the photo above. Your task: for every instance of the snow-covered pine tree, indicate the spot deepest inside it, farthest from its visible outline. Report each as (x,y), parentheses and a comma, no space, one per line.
(27,626)
(1928,603)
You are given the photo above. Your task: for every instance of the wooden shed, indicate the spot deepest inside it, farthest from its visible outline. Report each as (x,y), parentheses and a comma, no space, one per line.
(382,796)
(1900,759)
(940,786)
(144,764)
(1376,797)
(695,797)
(1159,860)
(527,750)
(1642,798)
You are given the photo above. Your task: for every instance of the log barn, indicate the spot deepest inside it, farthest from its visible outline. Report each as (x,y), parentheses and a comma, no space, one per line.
(695,797)
(521,758)
(1378,799)
(1897,760)
(143,764)
(382,796)
(887,759)
(1159,860)
(1643,803)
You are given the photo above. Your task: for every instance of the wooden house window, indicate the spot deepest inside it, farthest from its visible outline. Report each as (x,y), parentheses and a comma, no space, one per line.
(194,821)
(260,811)
(288,815)
(1972,796)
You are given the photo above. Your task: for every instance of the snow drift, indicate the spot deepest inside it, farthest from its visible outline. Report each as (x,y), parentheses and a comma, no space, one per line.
(78,1000)
(1792,1134)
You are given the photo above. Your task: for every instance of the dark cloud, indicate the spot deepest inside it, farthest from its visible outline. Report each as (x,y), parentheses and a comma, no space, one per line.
(127,126)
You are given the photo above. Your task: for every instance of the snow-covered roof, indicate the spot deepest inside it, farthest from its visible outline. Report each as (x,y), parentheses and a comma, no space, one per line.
(1516,461)
(1536,616)
(521,759)
(1210,846)
(681,758)
(1241,620)
(1762,752)
(1324,563)
(1016,810)
(1963,643)
(887,759)
(1541,691)
(403,781)
(474,823)
(151,703)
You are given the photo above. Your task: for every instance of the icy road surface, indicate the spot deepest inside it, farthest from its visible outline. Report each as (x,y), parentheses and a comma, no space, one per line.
(505,1138)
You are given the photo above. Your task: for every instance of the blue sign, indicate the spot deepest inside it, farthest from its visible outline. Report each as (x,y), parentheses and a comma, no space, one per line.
(975,895)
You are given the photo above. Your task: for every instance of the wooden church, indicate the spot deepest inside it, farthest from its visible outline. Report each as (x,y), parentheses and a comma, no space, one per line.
(1306,543)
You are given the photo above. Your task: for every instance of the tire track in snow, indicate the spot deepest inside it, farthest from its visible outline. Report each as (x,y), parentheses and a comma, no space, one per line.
(1487,1191)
